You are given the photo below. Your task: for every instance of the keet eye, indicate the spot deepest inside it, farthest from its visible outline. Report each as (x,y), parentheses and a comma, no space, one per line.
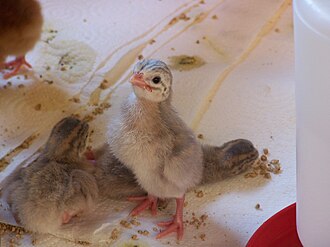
(156,79)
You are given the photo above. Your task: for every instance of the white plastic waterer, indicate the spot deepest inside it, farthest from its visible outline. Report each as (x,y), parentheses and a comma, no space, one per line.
(312,55)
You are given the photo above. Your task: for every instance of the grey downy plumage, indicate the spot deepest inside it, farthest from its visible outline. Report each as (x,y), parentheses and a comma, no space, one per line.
(58,185)
(150,139)
(116,181)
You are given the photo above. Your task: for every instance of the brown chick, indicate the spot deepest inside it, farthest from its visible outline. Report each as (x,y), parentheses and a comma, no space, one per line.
(20,28)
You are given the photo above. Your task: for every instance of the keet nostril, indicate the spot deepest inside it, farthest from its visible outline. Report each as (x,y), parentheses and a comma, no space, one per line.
(139,75)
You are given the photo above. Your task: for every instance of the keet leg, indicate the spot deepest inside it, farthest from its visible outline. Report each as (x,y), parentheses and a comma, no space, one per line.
(175,225)
(66,217)
(146,202)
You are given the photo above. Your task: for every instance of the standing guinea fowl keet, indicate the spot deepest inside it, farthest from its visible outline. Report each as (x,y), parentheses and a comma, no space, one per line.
(20,29)
(150,139)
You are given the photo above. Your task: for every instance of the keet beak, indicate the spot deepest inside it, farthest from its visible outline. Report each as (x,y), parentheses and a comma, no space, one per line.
(137,80)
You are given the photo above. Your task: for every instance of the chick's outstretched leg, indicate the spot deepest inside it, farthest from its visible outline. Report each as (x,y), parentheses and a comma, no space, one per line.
(66,217)
(175,225)
(15,65)
(146,202)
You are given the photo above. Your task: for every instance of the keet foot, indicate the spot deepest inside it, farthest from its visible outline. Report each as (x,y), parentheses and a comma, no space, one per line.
(147,202)
(175,225)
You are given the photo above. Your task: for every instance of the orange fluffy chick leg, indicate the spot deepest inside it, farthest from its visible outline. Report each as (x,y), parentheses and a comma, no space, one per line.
(15,66)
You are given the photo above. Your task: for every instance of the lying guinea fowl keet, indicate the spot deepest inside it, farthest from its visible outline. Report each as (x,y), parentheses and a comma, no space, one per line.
(58,185)
(150,139)
(38,211)
(20,29)
(116,181)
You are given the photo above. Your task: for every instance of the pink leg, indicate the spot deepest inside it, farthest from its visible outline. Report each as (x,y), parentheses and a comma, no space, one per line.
(66,217)
(89,155)
(16,65)
(147,202)
(175,225)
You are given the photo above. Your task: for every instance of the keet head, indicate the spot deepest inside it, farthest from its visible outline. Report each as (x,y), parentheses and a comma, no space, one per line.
(68,137)
(152,80)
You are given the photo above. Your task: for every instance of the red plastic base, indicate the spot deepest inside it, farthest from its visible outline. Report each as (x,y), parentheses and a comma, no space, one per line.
(280,230)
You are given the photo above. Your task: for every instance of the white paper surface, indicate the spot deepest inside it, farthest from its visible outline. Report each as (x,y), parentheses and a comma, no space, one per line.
(243,90)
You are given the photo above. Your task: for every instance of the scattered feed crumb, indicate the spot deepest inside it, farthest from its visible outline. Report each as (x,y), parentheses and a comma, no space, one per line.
(33,241)
(152,41)
(125,224)
(197,222)
(263,157)
(82,242)
(105,105)
(264,167)
(202,2)
(173,21)
(37,107)
(114,234)
(204,217)
(199,193)
(143,232)
(200,136)
(140,57)
(134,237)
(183,16)
(75,100)
(49,81)
(277,30)
(134,222)
(155,229)
(257,206)
(103,84)
(202,236)
(214,17)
